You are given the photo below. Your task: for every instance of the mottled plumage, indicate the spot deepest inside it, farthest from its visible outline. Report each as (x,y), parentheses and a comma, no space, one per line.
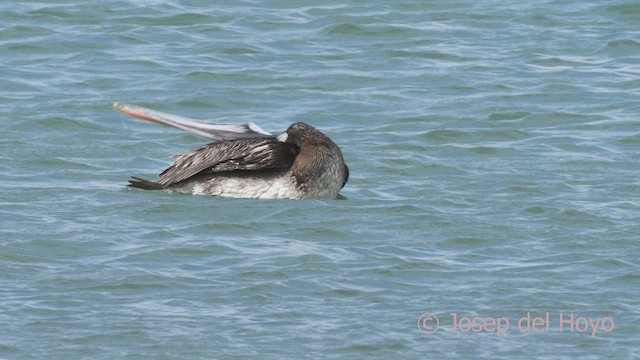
(248,162)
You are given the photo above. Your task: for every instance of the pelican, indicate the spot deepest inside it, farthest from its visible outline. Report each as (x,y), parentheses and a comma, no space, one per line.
(245,161)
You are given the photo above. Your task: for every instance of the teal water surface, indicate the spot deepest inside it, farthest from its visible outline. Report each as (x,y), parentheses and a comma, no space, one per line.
(494,155)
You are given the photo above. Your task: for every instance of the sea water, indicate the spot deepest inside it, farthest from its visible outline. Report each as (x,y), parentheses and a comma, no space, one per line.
(494,155)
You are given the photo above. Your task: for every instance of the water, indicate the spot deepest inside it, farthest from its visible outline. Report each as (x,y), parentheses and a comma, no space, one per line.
(493,149)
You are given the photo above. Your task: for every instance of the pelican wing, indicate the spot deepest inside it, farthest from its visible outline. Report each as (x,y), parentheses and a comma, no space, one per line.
(241,154)
(216,131)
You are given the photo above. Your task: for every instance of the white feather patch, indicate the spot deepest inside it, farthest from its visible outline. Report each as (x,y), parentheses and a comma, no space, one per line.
(283,137)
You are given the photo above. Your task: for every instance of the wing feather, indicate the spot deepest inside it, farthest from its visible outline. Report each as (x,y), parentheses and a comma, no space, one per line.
(233,155)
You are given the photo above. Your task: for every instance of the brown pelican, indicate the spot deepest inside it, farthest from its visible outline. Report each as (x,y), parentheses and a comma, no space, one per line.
(244,161)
